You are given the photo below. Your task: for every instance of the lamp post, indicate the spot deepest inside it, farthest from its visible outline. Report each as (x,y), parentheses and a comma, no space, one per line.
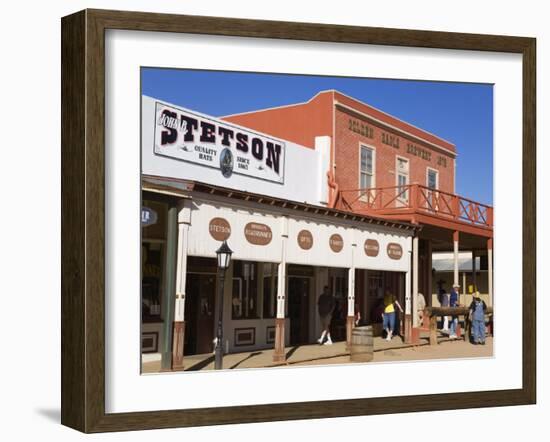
(224,259)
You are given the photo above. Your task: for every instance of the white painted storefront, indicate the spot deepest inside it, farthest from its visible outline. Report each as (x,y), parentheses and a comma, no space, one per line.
(307,233)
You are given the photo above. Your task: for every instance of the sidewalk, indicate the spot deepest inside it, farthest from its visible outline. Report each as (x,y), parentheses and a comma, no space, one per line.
(316,354)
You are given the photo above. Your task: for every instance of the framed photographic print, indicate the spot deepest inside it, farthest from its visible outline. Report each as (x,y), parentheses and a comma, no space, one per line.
(249,207)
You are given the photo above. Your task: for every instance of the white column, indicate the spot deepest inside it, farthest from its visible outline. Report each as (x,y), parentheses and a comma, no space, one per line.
(408,293)
(280,339)
(351,282)
(178,331)
(415,281)
(281,280)
(181,272)
(184,219)
(455,244)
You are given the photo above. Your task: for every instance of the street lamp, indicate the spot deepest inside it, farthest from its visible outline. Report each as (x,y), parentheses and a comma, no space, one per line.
(224,259)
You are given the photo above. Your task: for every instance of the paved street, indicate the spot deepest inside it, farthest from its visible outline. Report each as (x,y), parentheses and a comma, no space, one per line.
(314,354)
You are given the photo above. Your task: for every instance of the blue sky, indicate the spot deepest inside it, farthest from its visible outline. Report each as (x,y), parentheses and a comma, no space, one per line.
(461,113)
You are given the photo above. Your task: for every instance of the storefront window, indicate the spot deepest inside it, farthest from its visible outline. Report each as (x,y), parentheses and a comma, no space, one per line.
(153,235)
(151,283)
(245,290)
(270,290)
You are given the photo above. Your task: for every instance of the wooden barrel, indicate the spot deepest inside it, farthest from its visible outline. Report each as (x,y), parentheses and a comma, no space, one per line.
(362,345)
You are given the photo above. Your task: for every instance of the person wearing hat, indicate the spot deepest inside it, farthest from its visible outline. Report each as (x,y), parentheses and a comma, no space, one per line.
(477,314)
(453,302)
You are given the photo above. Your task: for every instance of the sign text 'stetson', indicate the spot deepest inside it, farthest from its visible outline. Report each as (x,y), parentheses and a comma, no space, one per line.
(198,139)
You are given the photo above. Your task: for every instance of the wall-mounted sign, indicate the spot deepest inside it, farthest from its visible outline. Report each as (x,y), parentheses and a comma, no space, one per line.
(371,247)
(419,152)
(219,229)
(336,243)
(395,251)
(305,239)
(214,143)
(361,128)
(258,234)
(148,216)
(390,140)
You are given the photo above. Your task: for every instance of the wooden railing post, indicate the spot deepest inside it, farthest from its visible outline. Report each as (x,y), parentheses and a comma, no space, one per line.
(456,207)
(413,203)
(490,216)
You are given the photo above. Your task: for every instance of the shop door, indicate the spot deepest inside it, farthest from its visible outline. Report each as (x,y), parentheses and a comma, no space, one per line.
(199,313)
(298,309)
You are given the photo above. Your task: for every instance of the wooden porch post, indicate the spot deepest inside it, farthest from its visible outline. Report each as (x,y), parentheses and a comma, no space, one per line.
(415,281)
(169,292)
(455,246)
(408,301)
(279,353)
(184,220)
(350,321)
(474,273)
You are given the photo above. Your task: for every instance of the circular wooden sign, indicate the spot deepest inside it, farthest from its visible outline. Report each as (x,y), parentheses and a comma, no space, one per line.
(258,234)
(305,239)
(336,243)
(395,251)
(219,229)
(372,248)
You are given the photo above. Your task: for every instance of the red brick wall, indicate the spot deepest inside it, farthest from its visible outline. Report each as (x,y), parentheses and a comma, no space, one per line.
(392,121)
(347,155)
(299,123)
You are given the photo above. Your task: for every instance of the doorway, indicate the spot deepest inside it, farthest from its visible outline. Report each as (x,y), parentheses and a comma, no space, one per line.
(299,292)
(199,313)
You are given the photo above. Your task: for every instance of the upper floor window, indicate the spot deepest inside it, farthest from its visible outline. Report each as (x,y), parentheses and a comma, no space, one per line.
(366,178)
(402,173)
(432,179)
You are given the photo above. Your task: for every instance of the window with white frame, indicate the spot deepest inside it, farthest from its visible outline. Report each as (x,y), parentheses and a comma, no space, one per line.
(402,167)
(366,178)
(432,179)
(432,184)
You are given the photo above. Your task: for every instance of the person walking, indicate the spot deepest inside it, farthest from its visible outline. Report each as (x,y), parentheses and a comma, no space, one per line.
(453,302)
(388,317)
(420,306)
(477,314)
(443,299)
(325,307)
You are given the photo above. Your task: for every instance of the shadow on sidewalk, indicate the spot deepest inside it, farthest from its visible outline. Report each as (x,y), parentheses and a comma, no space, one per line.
(250,356)
(290,352)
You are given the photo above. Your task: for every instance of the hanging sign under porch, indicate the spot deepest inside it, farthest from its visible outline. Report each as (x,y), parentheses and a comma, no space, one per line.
(217,144)
(372,247)
(395,251)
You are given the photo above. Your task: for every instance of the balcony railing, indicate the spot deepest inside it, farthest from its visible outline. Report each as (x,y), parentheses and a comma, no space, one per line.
(415,198)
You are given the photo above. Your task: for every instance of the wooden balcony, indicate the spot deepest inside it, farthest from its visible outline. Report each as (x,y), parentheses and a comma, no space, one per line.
(419,204)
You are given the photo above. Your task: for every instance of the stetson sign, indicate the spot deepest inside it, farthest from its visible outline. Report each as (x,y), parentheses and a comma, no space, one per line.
(197,139)
(219,229)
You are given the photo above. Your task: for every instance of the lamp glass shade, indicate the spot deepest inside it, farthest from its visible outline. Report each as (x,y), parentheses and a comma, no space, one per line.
(224,256)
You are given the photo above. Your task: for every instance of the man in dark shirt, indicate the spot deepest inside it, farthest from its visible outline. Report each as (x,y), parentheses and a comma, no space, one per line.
(325,306)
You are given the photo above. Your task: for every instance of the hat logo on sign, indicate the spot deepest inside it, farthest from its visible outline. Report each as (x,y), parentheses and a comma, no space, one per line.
(226,163)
